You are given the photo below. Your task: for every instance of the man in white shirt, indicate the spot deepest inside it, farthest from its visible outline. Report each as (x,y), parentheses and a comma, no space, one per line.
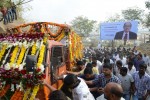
(99,64)
(146,59)
(126,82)
(80,90)
(131,68)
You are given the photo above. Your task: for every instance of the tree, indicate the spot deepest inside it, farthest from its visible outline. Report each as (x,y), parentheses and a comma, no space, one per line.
(115,18)
(18,4)
(133,14)
(82,25)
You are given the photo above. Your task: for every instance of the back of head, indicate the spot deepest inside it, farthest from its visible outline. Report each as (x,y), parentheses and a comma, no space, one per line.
(106,60)
(107,65)
(80,63)
(114,89)
(57,95)
(70,79)
(88,70)
(89,65)
(119,62)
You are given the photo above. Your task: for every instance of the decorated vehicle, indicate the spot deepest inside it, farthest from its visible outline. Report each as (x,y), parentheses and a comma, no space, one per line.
(34,52)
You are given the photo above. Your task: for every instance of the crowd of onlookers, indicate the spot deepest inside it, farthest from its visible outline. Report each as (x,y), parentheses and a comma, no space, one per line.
(107,74)
(9,14)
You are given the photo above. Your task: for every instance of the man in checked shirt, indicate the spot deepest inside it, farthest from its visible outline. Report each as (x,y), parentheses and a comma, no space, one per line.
(104,78)
(142,83)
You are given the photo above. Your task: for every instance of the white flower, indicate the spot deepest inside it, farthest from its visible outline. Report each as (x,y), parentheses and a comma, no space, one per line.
(7,66)
(20,44)
(25,43)
(41,67)
(3,62)
(20,67)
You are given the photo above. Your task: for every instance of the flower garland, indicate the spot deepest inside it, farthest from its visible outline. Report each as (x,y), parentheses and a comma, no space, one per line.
(6,55)
(35,90)
(12,59)
(18,95)
(3,92)
(2,51)
(23,49)
(33,49)
(45,39)
(41,56)
(26,94)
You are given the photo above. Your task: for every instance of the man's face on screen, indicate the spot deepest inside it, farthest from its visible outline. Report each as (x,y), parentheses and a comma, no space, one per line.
(127,27)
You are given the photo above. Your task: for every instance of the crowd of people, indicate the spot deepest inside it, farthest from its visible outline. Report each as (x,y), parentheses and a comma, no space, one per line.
(9,14)
(107,74)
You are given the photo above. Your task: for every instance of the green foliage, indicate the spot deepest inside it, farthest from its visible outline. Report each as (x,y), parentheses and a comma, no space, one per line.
(133,14)
(147,4)
(82,25)
(115,18)
(18,3)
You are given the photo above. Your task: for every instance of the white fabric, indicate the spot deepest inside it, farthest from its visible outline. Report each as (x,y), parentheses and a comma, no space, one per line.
(124,61)
(133,70)
(99,64)
(111,61)
(82,92)
(102,98)
(124,36)
(146,59)
(126,82)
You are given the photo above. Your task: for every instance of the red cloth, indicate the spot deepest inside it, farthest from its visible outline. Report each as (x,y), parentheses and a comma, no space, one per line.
(4,11)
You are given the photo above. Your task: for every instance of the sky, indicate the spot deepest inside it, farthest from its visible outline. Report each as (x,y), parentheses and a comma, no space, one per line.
(64,11)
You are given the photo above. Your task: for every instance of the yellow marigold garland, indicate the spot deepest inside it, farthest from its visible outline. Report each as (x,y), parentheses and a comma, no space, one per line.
(27,92)
(23,49)
(33,49)
(41,55)
(35,90)
(45,39)
(2,51)
(12,59)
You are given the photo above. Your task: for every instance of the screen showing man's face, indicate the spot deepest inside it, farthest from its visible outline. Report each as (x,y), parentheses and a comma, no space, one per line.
(127,27)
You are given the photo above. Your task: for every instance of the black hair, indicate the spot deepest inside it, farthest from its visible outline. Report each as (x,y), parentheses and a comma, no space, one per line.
(89,65)
(124,69)
(57,95)
(130,63)
(84,61)
(140,55)
(80,63)
(94,58)
(70,79)
(94,63)
(143,65)
(119,62)
(114,91)
(106,60)
(88,70)
(107,65)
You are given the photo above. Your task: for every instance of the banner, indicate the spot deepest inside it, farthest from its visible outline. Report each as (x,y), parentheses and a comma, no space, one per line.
(119,30)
